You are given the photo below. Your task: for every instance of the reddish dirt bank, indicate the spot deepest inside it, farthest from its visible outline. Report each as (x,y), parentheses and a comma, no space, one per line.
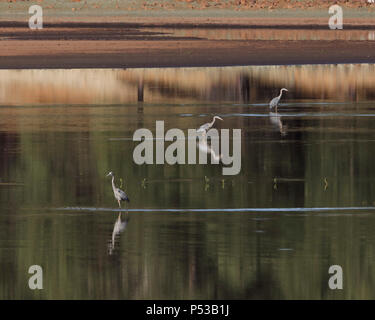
(111,45)
(126,54)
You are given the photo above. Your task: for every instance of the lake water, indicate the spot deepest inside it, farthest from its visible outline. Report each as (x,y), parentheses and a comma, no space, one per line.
(303,201)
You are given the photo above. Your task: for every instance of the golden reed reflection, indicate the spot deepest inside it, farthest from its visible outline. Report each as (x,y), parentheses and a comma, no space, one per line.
(249,84)
(268,34)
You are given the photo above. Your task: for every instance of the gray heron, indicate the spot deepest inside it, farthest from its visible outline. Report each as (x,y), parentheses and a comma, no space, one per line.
(205,127)
(275,101)
(118,193)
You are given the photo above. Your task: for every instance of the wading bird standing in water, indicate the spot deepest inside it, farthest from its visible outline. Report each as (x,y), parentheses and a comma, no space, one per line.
(205,127)
(118,193)
(275,101)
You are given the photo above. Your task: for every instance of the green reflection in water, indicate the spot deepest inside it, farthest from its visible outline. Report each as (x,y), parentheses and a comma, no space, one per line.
(313,154)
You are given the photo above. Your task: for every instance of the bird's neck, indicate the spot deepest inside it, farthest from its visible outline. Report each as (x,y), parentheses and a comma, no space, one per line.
(113,182)
(213,121)
(281,93)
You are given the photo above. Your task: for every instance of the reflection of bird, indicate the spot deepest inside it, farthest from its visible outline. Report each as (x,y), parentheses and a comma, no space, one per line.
(119,227)
(204,147)
(204,127)
(275,101)
(275,119)
(118,193)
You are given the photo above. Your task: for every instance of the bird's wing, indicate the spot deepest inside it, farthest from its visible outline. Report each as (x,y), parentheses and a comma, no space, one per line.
(204,127)
(274,102)
(122,195)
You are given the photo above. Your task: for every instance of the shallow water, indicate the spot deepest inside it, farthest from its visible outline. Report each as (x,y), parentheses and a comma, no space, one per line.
(303,201)
(266,34)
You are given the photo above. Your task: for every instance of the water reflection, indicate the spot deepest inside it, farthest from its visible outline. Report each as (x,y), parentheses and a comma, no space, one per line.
(267,34)
(213,151)
(352,82)
(119,227)
(194,233)
(275,119)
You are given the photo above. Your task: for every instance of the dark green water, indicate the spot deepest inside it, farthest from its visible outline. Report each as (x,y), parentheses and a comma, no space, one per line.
(303,201)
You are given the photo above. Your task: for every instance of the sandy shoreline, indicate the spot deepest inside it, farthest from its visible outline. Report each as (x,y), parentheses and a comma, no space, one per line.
(157,42)
(132,54)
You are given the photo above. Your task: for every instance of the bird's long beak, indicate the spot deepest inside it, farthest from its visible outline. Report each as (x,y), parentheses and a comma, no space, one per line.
(220,118)
(108,175)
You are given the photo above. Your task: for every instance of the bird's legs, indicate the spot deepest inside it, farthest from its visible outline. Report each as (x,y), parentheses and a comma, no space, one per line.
(119,204)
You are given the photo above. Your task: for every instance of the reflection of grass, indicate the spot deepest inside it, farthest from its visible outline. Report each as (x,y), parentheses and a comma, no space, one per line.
(25,87)
(143,183)
(65,168)
(11,184)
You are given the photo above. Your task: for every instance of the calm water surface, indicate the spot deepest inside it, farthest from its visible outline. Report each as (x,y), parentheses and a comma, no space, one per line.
(303,201)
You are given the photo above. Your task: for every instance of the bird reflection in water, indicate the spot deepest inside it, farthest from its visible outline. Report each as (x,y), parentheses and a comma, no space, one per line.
(119,227)
(206,148)
(275,119)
